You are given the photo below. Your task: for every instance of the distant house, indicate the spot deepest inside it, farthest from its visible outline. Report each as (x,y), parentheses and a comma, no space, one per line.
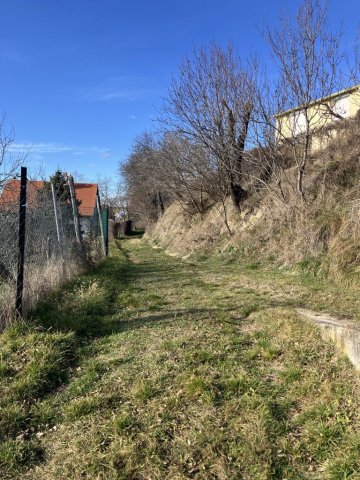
(11,191)
(322,115)
(87,195)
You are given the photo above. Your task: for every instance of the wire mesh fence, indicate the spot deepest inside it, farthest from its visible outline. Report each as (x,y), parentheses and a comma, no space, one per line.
(58,243)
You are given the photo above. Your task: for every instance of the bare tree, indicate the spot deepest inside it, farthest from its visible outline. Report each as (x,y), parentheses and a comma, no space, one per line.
(161,170)
(183,169)
(145,193)
(309,57)
(112,194)
(272,153)
(192,178)
(10,160)
(210,105)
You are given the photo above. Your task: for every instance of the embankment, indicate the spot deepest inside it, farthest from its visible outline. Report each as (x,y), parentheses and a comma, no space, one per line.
(320,235)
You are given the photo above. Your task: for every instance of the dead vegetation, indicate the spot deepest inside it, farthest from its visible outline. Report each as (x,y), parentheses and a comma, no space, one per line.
(320,235)
(42,280)
(152,367)
(285,149)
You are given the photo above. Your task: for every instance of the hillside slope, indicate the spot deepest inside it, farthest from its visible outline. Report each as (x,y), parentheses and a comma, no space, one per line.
(320,235)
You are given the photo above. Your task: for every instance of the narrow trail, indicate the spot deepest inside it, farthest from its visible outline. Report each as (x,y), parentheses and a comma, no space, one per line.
(194,370)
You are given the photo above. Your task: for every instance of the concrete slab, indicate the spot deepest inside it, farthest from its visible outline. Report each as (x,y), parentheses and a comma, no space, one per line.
(343,332)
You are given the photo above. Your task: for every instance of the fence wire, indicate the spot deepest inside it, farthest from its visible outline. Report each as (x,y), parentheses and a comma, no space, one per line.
(9,222)
(52,251)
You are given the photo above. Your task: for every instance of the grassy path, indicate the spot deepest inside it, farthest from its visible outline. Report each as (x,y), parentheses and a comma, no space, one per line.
(155,368)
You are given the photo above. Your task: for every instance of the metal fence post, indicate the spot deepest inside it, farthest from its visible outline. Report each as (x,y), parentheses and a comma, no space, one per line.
(21,245)
(106,231)
(101,224)
(57,223)
(75,211)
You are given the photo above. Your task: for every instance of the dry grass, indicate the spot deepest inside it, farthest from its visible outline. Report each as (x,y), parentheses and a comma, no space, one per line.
(39,281)
(197,369)
(320,236)
(7,301)
(182,234)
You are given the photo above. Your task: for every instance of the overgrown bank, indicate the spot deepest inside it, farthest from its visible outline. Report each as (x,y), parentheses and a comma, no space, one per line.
(320,235)
(152,367)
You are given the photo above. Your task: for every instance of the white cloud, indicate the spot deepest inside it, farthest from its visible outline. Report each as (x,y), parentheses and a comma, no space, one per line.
(38,150)
(125,95)
(124,88)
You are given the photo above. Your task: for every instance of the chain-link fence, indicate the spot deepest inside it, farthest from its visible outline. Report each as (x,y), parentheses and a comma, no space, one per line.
(57,243)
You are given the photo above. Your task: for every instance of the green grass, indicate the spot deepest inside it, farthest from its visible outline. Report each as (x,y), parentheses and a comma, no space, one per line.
(152,367)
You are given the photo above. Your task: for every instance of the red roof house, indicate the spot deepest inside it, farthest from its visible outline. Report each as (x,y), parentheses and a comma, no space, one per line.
(86,195)
(10,195)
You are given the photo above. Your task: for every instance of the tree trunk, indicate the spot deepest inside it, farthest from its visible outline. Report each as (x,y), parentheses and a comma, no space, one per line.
(302,166)
(237,147)
(160,204)
(238,194)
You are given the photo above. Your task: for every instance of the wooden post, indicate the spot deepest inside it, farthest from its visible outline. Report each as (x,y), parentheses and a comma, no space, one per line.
(21,245)
(101,224)
(75,211)
(57,223)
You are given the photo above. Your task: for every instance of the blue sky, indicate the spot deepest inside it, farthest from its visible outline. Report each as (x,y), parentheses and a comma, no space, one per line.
(81,78)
